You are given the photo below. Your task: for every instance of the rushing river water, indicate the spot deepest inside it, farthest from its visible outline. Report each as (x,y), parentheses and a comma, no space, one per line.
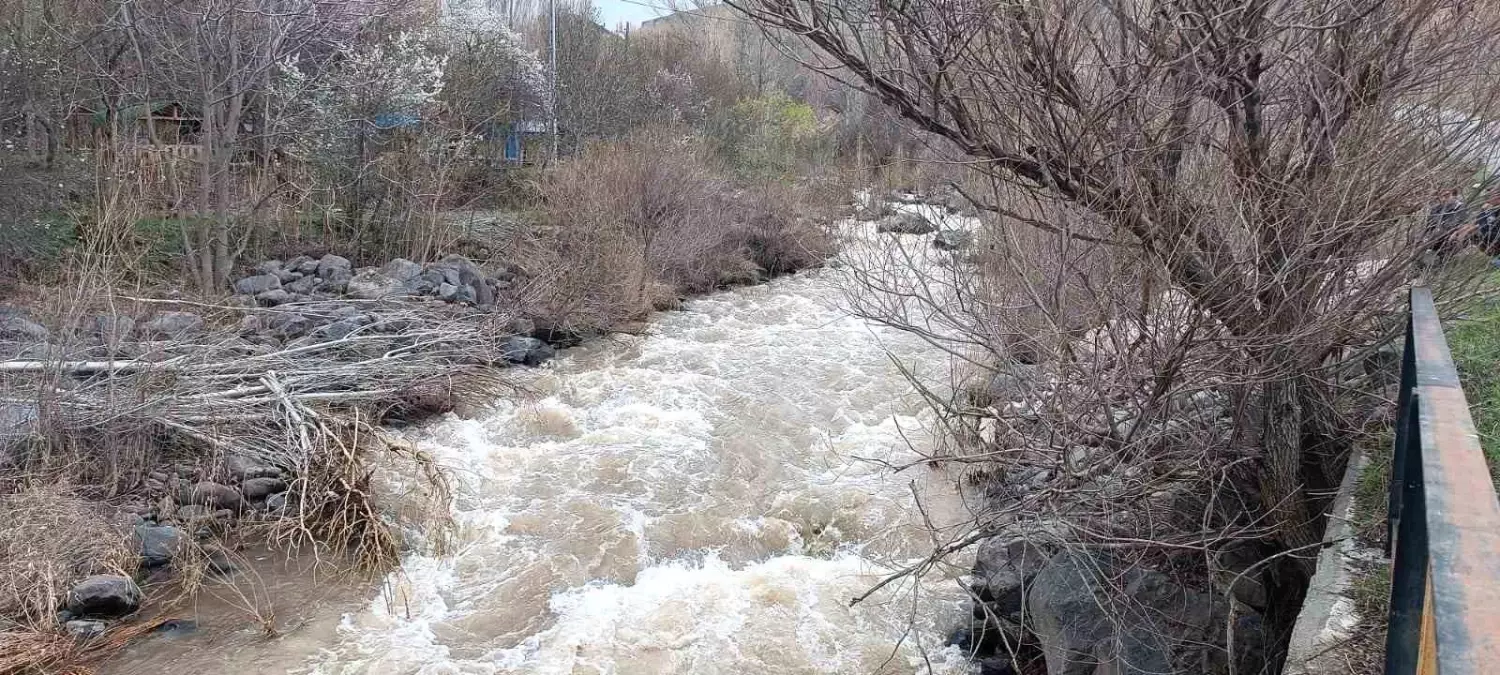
(706,498)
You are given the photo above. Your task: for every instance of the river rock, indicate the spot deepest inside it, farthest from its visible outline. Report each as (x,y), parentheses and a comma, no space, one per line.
(333,266)
(213,495)
(159,544)
(371,284)
(257,284)
(303,285)
(241,468)
(905,222)
(84,629)
(277,503)
(105,596)
(256,488)
(952,240)
(274,297)
(526,350)
(18,328)
(112,329)
(172,325)
(401,269)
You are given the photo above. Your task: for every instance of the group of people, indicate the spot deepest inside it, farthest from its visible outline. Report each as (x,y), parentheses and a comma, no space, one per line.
(1450,228)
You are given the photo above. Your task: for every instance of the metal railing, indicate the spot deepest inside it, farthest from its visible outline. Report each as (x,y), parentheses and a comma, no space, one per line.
(1444,527)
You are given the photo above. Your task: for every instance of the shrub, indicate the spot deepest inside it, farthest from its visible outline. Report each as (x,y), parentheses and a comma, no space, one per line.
(658,208)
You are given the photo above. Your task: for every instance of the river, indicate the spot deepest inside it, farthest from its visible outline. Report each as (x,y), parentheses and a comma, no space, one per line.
(702,499)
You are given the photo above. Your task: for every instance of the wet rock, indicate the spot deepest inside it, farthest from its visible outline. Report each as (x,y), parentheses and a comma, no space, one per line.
(274,297)
(952,240)
(257,284)
(174,627)
(257,488)
(105,596)
(84,629)
(526,350)
(220,563)
(905,222)
(159,544)
(18,328)
(214,495)
(172,325)
(371,284)
(401,269)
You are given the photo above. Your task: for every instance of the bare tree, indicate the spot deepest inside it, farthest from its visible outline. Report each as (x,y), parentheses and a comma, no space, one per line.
(1227,187)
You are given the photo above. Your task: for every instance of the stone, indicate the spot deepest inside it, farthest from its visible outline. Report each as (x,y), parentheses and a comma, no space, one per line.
(371,284)
(220,563)
(288,276)
(105,596)
(277,503)
(159,544)
(112,329)
(526,350)
(335,268)
(17,328)
(189,513)
(466,295)
(952,240)
(1008,382)
(401,269)
(257,284)
(308,267)
(242,469)
(274,297)
(171,325)
(288,325)
(905,222)
(426,283)
(338,330)
(520,326)
(447,291)
(257,488)
(484,294)
(173,627)
(269,267)
(298,261)
(1148,615)
(211,494)
(84,629)
(303,285)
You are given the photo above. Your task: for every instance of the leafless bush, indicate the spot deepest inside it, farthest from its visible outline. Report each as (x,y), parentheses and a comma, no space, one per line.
(623,220)
(50,538)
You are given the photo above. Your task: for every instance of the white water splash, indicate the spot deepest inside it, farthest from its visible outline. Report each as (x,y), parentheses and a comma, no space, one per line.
(704,499)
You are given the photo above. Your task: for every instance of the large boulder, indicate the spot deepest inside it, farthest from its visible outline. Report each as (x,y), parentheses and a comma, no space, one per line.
(401,269)
(1097,616)
(372,284)
(335,267)
(257,284)
(905,222)
(104,596)
(159,543)
(172,325)
(18,328)
(526,350)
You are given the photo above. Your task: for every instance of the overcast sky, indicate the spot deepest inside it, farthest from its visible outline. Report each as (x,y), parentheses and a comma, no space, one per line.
(614,12)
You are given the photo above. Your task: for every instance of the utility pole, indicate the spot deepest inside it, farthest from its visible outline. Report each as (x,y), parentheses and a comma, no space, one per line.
(552,21)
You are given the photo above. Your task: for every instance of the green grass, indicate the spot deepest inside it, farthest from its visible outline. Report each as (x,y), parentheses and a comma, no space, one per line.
(1475,343)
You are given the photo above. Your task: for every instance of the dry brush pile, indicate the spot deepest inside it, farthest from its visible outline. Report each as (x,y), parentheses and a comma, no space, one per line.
(127,465)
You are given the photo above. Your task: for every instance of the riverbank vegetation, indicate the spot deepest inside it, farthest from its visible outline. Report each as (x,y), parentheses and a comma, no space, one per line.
(237,244)
(1199,228)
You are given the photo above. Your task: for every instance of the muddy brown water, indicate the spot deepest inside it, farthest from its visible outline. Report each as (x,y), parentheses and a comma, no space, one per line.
(702,499)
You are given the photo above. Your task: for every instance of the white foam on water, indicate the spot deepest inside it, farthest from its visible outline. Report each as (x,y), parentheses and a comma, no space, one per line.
(703,499)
